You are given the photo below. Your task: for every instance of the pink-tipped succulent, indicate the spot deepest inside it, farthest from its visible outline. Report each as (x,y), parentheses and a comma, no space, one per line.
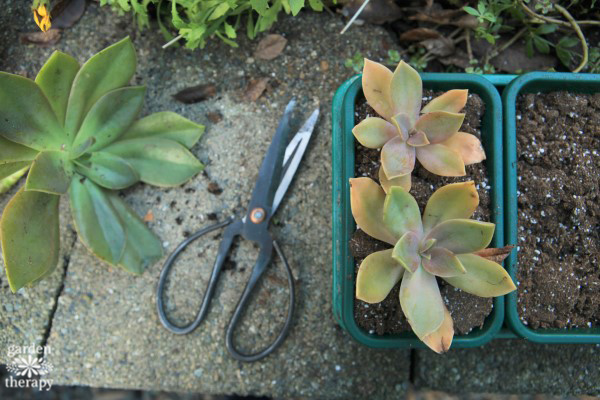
(407,132)
(441,244)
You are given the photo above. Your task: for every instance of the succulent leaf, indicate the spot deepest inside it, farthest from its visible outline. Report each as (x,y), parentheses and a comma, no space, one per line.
(401,213)
(108,170)
(397,158)
(376,80)
(97,222)
(467,146)
(160,162)
(452,101)
(142,247)
(483,278)
(441,160)
(366,201)
(406,251)
(462,236)
(418,139)
(30,237)
(439,125)
(422,302)
(109,69)
(443,263)
(166,125)
(403,181)
(50,172)
(8,169)
(377,275)
(403,124)
(26,116)
(108,118)
(374,132)
(11,152)
(440,340)
(456,200)
(55,80)
(406,91)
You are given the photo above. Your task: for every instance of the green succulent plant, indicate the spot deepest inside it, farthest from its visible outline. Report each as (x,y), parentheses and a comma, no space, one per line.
(443,243)
(76,129)
(406,132)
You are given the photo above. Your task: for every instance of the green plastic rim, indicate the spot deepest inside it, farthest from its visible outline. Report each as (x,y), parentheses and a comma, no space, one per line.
(343,224)
(535,82)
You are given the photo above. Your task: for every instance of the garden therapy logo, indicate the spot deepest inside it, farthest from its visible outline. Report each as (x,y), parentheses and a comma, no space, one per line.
(29,367)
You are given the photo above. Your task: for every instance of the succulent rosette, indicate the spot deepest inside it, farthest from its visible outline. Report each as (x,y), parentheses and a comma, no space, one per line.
(440,244)
(406,132)
(75,129)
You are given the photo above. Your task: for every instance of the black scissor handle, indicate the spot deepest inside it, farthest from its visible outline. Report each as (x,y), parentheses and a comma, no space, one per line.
(214,277)
(264,258)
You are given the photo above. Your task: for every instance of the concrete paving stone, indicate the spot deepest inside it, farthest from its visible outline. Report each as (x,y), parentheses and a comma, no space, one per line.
(512,366)
(106,331)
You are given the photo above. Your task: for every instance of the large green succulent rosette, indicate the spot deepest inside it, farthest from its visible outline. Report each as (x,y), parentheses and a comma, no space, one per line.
(76,129)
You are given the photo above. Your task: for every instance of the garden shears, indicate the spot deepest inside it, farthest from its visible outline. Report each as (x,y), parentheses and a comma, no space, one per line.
(275,175)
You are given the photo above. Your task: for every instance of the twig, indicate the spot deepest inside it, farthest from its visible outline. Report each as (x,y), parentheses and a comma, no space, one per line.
(328,10)
(356,14)
(553,20)
(577,30)
(468,40)
(170,42)
(509,43)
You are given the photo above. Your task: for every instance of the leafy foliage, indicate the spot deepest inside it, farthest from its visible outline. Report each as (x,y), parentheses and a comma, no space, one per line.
(442,243)
(198,21)
(76,130)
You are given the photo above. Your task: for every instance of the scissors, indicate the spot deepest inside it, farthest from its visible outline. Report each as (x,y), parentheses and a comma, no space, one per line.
(276,173)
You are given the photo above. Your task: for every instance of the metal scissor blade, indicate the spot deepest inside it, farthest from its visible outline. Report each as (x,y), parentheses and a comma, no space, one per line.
(293,155)
(271,168)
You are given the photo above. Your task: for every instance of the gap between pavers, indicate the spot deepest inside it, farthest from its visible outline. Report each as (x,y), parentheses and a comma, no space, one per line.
(512,366)
(105,330)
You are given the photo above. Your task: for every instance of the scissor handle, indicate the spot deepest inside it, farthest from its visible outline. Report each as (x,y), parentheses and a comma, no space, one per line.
(263,260)
(214,277)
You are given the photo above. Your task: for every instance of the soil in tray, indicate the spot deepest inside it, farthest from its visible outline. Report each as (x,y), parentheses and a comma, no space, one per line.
(467,311)
(558,147)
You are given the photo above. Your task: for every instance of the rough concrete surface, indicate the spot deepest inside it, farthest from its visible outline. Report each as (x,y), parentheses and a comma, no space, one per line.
(106,331)
(512,366)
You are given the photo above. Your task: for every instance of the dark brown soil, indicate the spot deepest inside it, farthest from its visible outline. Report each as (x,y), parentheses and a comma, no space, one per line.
(558,144)
(467,311)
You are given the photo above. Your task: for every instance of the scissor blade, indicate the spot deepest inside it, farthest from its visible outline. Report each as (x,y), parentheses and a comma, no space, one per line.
(293,155)
(271,168)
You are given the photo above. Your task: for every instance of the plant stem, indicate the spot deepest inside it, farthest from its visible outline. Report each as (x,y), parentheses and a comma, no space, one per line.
(356,14)
(553,20)
(170,42)
(508,43)
(577,30)
(468,40)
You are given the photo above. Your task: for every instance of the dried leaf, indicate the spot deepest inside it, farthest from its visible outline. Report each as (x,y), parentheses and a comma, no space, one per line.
(214,188)
(495,254)
(440,47)
(270,47)
(39,38)
(67,12)
(214,116)
(196,93)
(149,217)
(418,34)
(255,89)
(446,17)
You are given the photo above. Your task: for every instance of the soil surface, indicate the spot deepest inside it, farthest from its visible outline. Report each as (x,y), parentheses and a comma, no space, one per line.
(558,144)
(467,311)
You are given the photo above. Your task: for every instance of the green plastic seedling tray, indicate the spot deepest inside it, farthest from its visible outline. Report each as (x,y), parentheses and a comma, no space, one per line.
(535,82)
(343,224)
